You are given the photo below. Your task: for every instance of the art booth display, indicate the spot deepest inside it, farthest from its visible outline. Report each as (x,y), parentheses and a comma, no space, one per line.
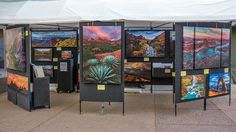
(138,72)
(145,43)
(102,54)
(54,39)
(15,49)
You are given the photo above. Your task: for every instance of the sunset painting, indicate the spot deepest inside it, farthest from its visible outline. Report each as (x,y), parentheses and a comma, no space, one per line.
(54,39)
(101,54)
(193,87)
(188,47)
(219,84)
(138,72)
(145,43)
(17,81)
(225,47)
(15,49)
(207,47)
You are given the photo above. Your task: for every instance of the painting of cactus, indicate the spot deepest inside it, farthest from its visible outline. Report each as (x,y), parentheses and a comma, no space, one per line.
(15,49)
(101,54)
(145,43)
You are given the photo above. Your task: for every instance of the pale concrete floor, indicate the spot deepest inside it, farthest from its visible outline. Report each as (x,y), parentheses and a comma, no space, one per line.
(144,113)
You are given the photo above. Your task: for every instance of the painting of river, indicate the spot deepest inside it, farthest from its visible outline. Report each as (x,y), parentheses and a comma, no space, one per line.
(101,54)
(188,47)
(225,47)
(219,84)
(207,47)
(138,72)
(145,43)
(193,87)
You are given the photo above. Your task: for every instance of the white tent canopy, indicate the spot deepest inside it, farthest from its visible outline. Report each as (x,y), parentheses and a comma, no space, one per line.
(68,11)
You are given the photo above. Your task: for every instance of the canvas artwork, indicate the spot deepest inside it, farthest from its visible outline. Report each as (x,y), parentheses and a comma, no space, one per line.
(225,47)
(66,54)
(145,43)
(17,81)
(138,72)
(48,70)
(54,39)
(207,47)
(219,84)
(188,47)
(102,54)
(15,49)
(193,87)
(43,54)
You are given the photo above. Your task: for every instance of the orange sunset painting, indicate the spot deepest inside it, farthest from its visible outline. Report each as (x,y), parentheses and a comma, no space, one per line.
(17,81)
(102,54)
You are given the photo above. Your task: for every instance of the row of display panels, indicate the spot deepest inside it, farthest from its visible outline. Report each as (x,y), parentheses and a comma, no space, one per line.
(138,43)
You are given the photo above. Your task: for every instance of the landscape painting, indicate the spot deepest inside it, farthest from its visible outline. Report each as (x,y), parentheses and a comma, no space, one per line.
(101,54)
(17,81)
(138,72)
(188,47)
(219,84)
(42,54)
(15,49)
(193,87)
(66,54)
(48,70)
(225,47)
(145,43)
(54,39)
(207,47)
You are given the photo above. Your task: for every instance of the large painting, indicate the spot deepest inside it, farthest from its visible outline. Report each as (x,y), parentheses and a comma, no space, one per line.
(219,84)
(138,72)
(17,81)
(193,87)
(48,70)
(207,47)
(42,54)
(54,39)
(15,49)
(102,54)
(188,47)
(145,43)
(225,47)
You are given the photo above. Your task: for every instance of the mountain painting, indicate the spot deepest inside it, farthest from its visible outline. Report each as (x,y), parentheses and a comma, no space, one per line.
(15,49)
(138,72)
(188,47)
(43,54)
(101,54)
(193,87)
(219,84)
(145,43)
(17,81)
(54,39)
(225,47)
(207,47)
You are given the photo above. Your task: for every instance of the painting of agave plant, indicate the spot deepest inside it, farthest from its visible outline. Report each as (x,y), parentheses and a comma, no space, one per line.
(101,54)
(15,49)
